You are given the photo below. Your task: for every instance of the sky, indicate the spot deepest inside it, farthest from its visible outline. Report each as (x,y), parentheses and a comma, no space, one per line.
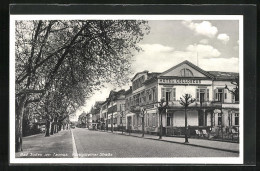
(213,45)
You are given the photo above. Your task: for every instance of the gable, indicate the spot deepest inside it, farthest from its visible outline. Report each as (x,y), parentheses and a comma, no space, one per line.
(186,69)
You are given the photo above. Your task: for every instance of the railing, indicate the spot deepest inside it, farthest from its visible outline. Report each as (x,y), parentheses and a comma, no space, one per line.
(220,133)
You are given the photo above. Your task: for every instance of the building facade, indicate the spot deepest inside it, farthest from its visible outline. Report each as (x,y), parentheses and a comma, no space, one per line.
(114,113)
(215,108)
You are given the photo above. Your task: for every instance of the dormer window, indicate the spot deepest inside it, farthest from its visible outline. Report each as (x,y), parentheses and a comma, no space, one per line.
(186,73)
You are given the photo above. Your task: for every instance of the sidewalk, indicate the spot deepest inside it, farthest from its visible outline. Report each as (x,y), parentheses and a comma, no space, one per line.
(39,146)
(216,145)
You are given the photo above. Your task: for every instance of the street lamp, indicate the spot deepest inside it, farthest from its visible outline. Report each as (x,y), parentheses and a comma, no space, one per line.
(122,114)
(142,115)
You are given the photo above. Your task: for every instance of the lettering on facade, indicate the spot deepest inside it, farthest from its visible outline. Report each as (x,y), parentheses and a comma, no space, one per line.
(180,81)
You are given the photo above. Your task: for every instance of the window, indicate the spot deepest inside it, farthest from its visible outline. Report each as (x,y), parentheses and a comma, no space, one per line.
(169,94)
(202,95)
(134,118)
(168,120)
(143,97)
(219,95)
(115,121)
(236,119)
(186,73)
(153,120)
(153,90)
(219,119)
(122,107)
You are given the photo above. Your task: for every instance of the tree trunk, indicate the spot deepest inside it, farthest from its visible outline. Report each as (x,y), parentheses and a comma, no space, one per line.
(52,128)
(47,131)
(18,124)
(160,137)
(112,122)
(55,125)
(143,126)
(186,130)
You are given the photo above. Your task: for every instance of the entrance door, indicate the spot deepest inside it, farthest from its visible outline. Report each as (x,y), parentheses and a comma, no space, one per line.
(129,121)
(202,96)
(201,119)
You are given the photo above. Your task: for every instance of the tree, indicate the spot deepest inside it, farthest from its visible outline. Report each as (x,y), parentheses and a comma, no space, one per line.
(235,90)
(88,53)
(162,109)
(185,101)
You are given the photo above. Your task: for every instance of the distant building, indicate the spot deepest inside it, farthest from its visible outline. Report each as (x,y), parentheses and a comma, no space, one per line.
(115,110)
(95,111)
(82,120)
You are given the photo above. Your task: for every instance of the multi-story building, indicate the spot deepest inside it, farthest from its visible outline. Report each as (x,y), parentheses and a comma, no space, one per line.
(95,111)
(82,120)
(115,110)
(215,107)
(103,115)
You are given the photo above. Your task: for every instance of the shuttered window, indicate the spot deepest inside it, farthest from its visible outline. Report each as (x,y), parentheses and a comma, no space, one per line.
(163,94)
(198,94)
(207,95)
(169,94)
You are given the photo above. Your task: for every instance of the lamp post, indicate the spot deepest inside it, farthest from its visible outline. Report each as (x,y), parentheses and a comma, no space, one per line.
(122,114)
(142,115)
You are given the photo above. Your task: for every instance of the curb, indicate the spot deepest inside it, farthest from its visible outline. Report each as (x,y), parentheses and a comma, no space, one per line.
(214,148)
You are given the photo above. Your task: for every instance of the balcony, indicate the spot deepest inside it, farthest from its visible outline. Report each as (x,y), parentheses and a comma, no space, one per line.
(208,104)
(135,109)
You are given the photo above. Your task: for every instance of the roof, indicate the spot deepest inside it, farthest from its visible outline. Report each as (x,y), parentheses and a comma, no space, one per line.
(145,71)
(151,77)
(223,75)
(115,94)
(191,65)
(129,91)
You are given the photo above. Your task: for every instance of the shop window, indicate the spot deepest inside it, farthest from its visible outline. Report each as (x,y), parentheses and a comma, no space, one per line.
(154,120)
(168,120)
(219,119)
(236,119)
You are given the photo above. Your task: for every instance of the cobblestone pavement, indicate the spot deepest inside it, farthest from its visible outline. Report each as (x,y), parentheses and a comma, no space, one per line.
(104,144)
(54,146)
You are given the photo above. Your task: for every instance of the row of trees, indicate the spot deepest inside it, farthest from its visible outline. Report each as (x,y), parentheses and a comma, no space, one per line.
(58,64)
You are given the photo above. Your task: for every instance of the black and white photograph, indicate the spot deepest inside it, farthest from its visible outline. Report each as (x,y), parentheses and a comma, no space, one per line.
(126,89)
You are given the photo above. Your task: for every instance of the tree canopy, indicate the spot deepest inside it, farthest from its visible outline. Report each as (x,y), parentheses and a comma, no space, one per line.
(59,63)
(76,53)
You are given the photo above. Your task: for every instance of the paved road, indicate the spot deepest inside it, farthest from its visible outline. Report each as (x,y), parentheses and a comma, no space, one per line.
(56,146)
(104,144)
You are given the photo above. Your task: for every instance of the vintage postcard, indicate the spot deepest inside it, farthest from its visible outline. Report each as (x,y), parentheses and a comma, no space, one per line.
(126,89)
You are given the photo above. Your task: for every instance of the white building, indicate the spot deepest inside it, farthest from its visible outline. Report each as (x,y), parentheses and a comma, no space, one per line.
(215,109)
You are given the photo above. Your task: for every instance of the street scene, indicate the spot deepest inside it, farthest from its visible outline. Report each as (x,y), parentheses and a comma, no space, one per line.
(101,144)
(126,89)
